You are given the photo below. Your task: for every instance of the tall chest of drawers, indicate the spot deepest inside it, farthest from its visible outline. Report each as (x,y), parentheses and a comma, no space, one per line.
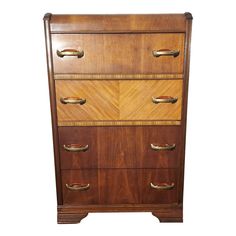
(118,92)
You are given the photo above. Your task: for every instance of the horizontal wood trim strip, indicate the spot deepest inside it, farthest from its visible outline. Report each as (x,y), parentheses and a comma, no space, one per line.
(116,76)
(164,208)
(117,123)
(118,23)
(120,32)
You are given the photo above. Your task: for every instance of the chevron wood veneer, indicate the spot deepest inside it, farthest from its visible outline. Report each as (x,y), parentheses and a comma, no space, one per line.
(118,100)
(135,101)
(102,100)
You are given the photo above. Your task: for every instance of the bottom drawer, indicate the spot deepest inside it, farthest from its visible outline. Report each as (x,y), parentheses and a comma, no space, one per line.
(120,186)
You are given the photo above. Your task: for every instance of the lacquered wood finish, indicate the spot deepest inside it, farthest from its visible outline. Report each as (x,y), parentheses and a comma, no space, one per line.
(135,100)
(51,84)
(116,76)
(119,123)
(118,100)
(164,212)
(89,196)
(104,159)
(126,147)
(118,23)
(120,186)
(158,177)
(116,53)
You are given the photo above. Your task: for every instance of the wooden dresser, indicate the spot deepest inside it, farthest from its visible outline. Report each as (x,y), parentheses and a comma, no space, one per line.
(118,92)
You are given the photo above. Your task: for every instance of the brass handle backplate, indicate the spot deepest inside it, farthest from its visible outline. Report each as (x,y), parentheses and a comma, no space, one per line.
(75,148)
(73,100)
(70,52)
(164,99)
(78,187)
(164,147)
(162,186)
(165,52)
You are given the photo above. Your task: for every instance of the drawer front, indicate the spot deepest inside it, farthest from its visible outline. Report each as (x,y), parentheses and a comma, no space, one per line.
(137,100)
(127,100)
(120,147)
(101,100)
(122,186)
(118,53)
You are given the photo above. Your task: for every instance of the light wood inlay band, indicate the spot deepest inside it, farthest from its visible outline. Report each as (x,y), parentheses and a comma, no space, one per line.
(117,76)
(117,123)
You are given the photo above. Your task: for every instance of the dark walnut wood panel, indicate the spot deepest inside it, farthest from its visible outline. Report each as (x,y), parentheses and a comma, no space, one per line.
(119,100)
(118,53)
(120,147)
(80,136)
(118,23)
(120,186)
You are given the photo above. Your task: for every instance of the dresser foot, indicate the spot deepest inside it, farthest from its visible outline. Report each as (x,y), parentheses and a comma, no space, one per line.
(165,218)
(68,218)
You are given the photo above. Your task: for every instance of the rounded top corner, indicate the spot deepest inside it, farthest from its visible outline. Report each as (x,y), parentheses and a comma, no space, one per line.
(188,15)
(47,16)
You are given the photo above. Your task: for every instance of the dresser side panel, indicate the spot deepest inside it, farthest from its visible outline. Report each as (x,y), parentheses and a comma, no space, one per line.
(51,82)
(184,105)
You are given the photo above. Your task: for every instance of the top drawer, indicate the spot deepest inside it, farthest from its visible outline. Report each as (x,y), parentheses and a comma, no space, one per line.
(118,53)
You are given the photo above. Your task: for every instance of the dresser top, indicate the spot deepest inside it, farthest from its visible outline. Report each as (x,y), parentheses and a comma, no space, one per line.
(117,23)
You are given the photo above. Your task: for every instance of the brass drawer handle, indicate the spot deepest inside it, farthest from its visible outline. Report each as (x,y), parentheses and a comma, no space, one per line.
(75,148)
(165,52)
(164,99)
(162,186)
(70,52)
(77,187)
(73,100)
(164,147)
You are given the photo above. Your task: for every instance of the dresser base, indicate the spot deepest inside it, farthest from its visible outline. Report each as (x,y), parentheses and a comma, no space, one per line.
(68,218)
(74,214)
(168,218)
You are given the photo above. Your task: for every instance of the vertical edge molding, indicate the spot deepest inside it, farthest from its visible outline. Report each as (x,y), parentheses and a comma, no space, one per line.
(185,101)
(51,82)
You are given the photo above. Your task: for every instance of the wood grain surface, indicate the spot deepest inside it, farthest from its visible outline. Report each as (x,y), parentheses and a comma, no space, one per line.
(116,76)
(118,53)
(119,123)
(115,100)
(51,84)
(120,147)
(135,101)
(154,196)
(118,23)
(120,186)
(102,100)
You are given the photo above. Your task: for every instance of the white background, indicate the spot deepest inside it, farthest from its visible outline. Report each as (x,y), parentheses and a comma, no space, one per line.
(27,184)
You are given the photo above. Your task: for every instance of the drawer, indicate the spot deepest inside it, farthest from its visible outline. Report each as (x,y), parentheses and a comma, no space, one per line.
(118,53)
(125,186)
(120,147)
(121,100)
